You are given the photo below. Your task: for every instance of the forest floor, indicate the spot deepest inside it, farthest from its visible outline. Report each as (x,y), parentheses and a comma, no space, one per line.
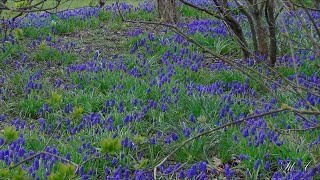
(85,95)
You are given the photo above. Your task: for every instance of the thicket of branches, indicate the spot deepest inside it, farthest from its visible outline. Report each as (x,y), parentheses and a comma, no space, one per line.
(262,17)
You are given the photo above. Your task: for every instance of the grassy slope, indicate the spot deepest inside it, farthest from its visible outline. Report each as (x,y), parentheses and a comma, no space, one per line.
(92,98)
(72,4)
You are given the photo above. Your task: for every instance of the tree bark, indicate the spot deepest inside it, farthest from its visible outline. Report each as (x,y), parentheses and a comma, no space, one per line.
(272,31)
(262,43)
(252,26)
(168,11)
(234,25)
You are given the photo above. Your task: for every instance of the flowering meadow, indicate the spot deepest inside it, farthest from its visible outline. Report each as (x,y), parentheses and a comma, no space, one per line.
(84,95)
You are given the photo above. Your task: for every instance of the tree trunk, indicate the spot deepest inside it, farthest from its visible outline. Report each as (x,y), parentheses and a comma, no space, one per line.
(234,26)
(252,26)
(272,32)
(168,11)
(262,43)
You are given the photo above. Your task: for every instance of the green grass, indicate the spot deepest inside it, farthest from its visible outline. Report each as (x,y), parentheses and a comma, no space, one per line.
(53,55)
(72,4)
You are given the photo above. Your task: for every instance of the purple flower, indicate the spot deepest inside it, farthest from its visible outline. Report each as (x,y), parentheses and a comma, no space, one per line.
(169,170)
(167,140)
(1,141)
(190,174)
(114,161)
(245,132)
(213,171)
(228,173)
(277,176)
(203,176)
(181,174)
(2,117)
(299,162)
(235,138)
(192,118)
(21,152)
(243,157)
(176,167)
(256,164)
(267,166)
(163,107)
(174,136)
(203,166)
(125,142)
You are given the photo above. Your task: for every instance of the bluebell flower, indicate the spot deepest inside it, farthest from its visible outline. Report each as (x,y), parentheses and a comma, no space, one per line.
(277,176)
(181,174)
(243,157)
(203,166)
(203,176)
(267,166)
(213,171)
(228,173)
(235,138)
(299,162)
(174,136)
(114,161)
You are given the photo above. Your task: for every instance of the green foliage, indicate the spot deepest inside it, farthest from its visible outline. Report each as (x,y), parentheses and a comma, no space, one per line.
(10,134)
(307,3)
(17,33)
(220,45)
(30,106)
(73,24)
(77,112)
(65,172)
(110,146)
(50,54)
(105,15)
(4,173)
(187,11)
(34,33)
(202,119)
(55,97)
(141,15)
(139,139)
(10,51)
(20,174)
(20,3)
(142,163)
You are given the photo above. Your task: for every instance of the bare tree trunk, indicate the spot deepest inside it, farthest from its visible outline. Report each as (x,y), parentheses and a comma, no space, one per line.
(261,36)
(252,26)
(234,25)
(272,31)
(168,10)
